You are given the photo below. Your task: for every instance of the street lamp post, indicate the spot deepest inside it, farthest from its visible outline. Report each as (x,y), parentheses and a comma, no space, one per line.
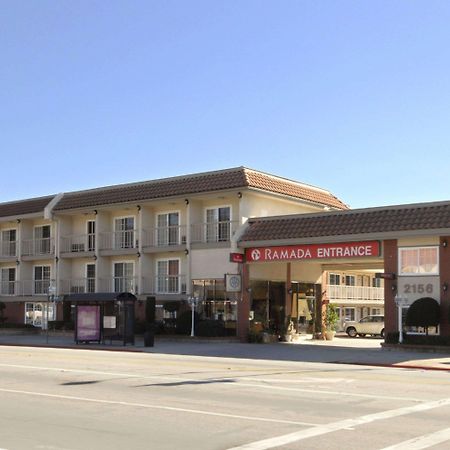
(50,295)
(193,302)
(401,303)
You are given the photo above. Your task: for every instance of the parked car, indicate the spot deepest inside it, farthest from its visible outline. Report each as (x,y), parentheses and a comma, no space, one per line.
(373,325)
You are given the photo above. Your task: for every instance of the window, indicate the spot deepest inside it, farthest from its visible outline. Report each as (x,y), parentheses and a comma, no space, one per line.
(41,279)
(350,280)
(376,282)
(419,261)
(8,281)
(168,279)
(218,224)
(168,232)
(90,277)
(90,225)
(124,232)
(8,243)
(124,277)
(349,313)
(42,240)
(335,279)
(377,312)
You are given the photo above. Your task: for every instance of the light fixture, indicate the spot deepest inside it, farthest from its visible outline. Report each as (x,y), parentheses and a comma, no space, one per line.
(138,254)
(95,257)
(445,287)
(17,262)
(186,252)
(289,291)
(249,290)
(393,287)
(444,243)
(18,220)
(186,201)
(95,212)
(239,194)
(138,207)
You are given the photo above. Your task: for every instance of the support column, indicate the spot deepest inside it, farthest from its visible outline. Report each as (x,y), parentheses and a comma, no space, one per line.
(444,271)
(390,253)
(288,292)
(244,305)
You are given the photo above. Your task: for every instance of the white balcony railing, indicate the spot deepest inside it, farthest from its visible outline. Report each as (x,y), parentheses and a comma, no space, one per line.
(9,287)
(78,243)
(38,247)
(116,240)
(119,284)
(77,286)
(170,284)
(213,231)
(31,287)
(8,248)
(336,293)
(164,236)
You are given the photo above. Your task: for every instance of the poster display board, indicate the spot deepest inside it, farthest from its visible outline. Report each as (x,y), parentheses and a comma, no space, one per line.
(88,323)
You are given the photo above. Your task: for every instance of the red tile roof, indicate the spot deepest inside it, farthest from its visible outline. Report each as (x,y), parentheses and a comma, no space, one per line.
(237,178)
(23,207)
(390,219)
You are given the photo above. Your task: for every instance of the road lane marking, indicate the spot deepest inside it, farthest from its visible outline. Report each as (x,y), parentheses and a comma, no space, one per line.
(145,405)
(237,382)
(278,441)
(425,441)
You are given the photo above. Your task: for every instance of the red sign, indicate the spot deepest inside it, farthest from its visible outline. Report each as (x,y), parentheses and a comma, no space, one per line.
(313,251)
(237,257)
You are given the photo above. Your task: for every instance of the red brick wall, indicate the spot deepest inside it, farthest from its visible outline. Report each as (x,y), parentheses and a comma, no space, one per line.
(244,305)
(444,270)
(390,252)
(14,312)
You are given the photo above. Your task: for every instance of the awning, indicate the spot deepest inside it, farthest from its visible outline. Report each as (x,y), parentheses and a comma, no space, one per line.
(100,297)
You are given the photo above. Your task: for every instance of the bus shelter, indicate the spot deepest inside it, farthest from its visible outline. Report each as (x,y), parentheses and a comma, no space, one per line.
(103,316)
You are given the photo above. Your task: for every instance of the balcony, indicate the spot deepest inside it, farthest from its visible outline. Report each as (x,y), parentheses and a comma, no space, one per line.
(213,232)
(347,294)
(76,244)
(77,286)
(170,284)
(38,247)
(119,242)
(8,249)
(119,284)
(169,236)
(32,287)
(9,288)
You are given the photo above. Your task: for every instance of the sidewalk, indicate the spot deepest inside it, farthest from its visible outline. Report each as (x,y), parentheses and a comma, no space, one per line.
(342,350)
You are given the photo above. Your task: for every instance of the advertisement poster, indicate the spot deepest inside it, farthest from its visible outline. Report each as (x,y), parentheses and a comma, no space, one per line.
(88,323)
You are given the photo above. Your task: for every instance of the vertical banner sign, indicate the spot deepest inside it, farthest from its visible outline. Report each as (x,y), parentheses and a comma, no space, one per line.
(88,323)
(313,251)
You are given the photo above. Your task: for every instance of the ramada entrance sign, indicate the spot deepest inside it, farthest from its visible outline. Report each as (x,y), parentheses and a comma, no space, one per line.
(313,251)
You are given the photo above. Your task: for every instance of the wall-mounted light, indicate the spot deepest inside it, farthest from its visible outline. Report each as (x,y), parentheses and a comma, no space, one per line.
(138,254)
(239,194)
(18,220)
(138,207)
(17,262)
(56,259)
(249,290)
(95,212)
(445,287)
(444,243)
(186,201)
(289,291)
(95,257)
(186,252)
(393,287)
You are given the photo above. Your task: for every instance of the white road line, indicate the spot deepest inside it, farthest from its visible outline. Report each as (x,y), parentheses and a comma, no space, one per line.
(425,441)
(300,380)
(237,383)
(340,425)
(144,405)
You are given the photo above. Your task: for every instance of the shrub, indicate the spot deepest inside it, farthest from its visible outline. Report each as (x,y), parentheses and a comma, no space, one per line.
(184,322)
(210,328)
(424,312)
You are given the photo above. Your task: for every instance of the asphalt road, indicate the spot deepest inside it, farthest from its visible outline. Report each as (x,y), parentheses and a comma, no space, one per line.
(81,399)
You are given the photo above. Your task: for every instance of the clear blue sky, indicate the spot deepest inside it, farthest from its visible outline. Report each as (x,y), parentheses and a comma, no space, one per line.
(352,96)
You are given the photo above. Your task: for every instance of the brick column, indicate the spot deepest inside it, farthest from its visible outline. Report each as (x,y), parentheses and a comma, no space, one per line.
(444,271)
(244,305)
(288,295)
(390,253)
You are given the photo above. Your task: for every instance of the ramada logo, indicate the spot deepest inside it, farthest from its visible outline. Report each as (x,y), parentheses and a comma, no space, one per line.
(256,254)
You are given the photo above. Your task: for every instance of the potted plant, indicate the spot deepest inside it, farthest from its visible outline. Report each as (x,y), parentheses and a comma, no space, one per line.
(330,320)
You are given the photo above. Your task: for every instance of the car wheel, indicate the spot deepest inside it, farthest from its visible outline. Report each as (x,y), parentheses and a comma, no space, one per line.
(382,333)
(362,334)
(351,331)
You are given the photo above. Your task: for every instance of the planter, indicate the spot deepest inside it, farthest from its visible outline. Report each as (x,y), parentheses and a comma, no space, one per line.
(329,335)
(149,339)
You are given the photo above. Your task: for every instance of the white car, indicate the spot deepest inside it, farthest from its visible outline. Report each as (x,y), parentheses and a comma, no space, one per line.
(373,325)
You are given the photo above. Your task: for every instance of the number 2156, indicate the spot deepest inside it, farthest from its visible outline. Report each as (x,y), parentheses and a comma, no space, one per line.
(418,288)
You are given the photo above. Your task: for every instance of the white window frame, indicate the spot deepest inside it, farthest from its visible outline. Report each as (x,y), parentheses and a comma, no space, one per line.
(209,208)
(88,278)
(417,274)
(2,242)
(41,249)
(334,275)
(2,290)
(157,227)
(91,236)
(115,232)
(128,261)
(158,275)
(43,279)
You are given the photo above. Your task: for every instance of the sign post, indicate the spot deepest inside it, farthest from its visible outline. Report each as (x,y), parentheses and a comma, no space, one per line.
(401,302)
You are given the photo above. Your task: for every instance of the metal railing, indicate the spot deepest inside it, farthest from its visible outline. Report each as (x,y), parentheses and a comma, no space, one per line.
(116,240)
(164,236)
(78,243)
(170,284)
(77,286)
(212,232)
(119,284)
(8,248)
(9,287)
(32,287)
(336,293)
(38,247)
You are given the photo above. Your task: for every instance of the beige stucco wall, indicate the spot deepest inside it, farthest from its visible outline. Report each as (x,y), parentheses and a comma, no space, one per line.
(211,263)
